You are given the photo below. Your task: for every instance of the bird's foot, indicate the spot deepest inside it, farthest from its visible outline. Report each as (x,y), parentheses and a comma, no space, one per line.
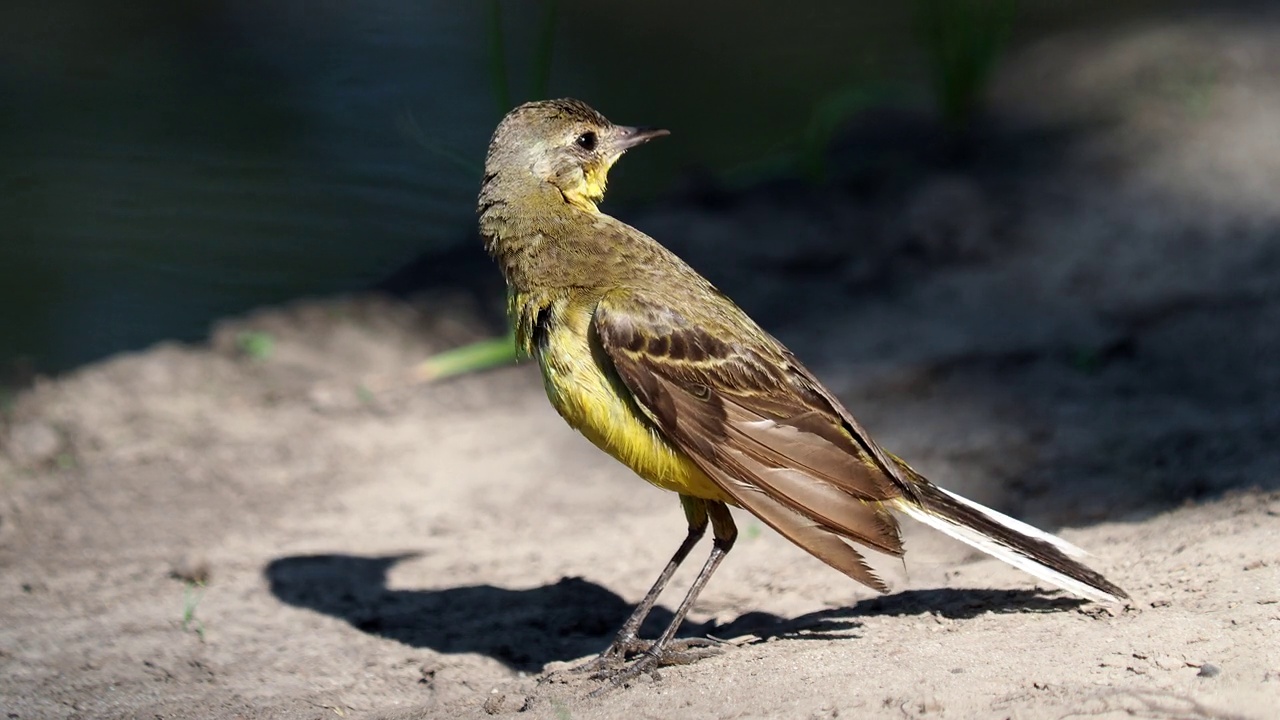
(677,652)
(614,656)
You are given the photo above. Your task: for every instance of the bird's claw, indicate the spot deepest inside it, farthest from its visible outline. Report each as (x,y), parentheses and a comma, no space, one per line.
(613,657)
(679,652)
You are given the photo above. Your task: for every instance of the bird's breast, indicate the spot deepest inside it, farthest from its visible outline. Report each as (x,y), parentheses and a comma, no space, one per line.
(590,397)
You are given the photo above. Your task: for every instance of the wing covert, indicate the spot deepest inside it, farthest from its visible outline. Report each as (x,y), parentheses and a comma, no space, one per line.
(776,447)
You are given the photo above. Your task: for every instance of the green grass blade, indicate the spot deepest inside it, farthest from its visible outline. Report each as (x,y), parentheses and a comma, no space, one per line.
(469,358)
(498,59)
(541,84)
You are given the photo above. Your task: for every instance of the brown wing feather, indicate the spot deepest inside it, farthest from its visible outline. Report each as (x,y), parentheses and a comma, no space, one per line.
(764,445)
(819,541)
(777,448)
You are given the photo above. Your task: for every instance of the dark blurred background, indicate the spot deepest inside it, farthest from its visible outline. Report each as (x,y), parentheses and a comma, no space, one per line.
(163,164)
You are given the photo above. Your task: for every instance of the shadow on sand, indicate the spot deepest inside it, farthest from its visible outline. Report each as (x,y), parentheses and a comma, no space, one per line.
(572,618)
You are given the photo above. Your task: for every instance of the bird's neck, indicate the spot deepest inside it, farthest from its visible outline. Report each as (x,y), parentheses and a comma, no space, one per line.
(541,240)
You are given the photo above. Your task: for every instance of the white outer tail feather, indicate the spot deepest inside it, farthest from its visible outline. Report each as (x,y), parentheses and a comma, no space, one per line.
(990,546)
(1018,525)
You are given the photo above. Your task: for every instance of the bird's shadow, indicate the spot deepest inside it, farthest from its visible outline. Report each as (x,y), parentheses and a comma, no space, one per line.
(572,618)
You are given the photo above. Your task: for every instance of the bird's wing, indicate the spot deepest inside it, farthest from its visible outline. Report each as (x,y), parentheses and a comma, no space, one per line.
(759,426)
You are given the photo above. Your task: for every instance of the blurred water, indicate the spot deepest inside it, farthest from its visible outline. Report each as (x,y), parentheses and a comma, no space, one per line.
(165,163)
(162,167)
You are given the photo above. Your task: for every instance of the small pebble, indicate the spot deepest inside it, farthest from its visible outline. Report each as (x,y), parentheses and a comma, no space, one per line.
(493,704)
(190,568)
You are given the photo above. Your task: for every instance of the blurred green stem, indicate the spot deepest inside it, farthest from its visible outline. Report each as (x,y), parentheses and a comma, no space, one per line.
(540,83)
(469,358)
(498,58)
(964,39)
(499,351)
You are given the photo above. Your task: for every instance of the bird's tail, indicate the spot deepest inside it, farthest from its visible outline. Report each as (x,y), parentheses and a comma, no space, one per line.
(1045,556)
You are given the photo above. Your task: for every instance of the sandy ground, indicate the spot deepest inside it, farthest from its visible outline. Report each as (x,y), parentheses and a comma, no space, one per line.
(1086,338)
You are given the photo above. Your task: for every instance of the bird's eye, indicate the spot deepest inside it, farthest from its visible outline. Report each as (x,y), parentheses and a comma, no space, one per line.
(587,141)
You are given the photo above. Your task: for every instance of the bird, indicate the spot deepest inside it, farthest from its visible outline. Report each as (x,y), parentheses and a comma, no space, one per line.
(661,370)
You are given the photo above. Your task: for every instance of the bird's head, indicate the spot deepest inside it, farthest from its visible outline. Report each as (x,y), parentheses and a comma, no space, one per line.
(564,143)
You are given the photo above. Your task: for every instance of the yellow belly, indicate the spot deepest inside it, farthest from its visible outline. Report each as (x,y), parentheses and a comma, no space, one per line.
(591,402)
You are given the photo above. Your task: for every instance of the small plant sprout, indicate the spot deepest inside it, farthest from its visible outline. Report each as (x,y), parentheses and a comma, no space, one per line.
(256,344)
(192,594)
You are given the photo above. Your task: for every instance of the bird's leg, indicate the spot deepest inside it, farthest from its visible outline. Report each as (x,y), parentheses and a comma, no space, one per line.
(661,651)
(627,641)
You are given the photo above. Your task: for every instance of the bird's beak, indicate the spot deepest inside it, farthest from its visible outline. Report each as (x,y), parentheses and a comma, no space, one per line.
(624,138)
